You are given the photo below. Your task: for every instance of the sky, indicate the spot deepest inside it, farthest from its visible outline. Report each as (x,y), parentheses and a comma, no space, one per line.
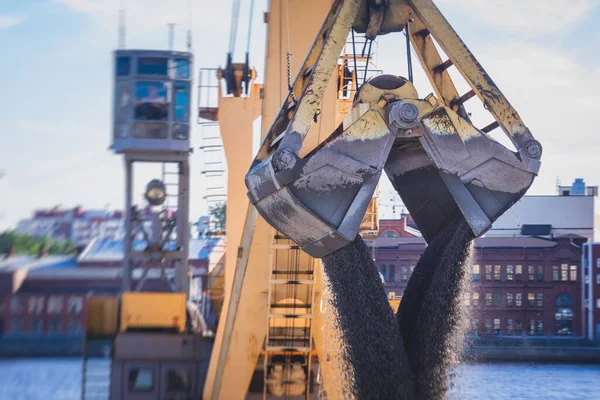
(56,81)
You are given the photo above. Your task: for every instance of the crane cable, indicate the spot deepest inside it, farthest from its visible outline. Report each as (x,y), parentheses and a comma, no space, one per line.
(250,26)
(235,17)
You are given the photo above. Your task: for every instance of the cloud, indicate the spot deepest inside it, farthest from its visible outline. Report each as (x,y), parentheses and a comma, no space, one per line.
(9,21)
(533,17)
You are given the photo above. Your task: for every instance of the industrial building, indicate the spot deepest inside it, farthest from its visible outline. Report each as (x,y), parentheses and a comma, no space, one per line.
(43,297)
(573,210)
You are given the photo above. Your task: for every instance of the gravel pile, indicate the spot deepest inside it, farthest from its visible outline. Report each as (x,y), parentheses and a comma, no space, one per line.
(407,356)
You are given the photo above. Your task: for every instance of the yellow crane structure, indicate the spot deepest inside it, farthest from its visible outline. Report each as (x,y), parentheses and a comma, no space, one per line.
(274,304)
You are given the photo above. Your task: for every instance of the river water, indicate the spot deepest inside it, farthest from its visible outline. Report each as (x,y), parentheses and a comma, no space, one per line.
(59,379)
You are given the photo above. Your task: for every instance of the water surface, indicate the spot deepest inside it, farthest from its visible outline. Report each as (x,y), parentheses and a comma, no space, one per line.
(60,379)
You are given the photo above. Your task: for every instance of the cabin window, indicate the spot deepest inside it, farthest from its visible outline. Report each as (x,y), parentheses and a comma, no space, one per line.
(178,380)
(182,101)
(141,380)
(152,66)
(123,66)
(122,97)
(151,101)
(182,68)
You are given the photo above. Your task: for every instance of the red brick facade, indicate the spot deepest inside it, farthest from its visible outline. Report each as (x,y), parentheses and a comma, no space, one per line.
(546,301)
(42,315)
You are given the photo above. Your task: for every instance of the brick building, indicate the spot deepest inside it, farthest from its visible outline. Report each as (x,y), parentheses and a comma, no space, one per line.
(44,296)
(520,286)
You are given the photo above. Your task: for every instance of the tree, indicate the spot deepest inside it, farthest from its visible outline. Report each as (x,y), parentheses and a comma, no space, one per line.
(218,215)
(25,244)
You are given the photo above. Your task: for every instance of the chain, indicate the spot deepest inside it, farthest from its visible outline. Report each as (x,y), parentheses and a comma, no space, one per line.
(289,75)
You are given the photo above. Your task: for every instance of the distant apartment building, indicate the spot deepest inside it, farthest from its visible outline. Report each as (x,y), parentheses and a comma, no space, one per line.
(519,285)
(77,225)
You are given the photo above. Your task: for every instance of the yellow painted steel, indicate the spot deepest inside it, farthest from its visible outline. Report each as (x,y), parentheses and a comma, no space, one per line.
(152,310)
(102,316)
(242,325)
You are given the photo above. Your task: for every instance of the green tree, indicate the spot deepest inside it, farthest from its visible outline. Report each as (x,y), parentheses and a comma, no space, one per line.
(218,215)
(25,244)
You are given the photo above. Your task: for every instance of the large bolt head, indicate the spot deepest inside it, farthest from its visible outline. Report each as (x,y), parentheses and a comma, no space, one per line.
(409,112)
(533,149)
(284,159)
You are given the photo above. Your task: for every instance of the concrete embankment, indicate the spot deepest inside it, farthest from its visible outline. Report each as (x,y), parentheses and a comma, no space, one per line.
(543,350)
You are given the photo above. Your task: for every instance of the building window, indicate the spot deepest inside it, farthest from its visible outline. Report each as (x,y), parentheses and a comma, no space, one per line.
(382,271)
(518,272)
(17,325)
(563,315)
(530,273)
(531,327)
(540,273)
(573,273)
(35,305)
(597,281)
(73,326)
(391,234)
(141,380)
(555,275)
(496,299)
(16,304)
(510,271)
(488,272)
(178,381)
(530,299)
(75,304)
(475,325)
(519,299)
(518,328)
(475,299)
(488,299)
(497,269)
(54,325)
(412,269)
(564,272)
(404,273)
(55,304)
(475,274)
(497,325)
(509,299)
(392,273)
(488,325)
(598,303)
(36,326)
(540,327)
(540,299)
(509,327)
(467,299)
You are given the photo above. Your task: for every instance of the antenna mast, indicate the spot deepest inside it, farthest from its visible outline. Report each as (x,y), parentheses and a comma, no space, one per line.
(171,36)
(122,25)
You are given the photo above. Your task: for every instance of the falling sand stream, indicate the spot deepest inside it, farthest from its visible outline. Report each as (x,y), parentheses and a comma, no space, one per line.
(407,356)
